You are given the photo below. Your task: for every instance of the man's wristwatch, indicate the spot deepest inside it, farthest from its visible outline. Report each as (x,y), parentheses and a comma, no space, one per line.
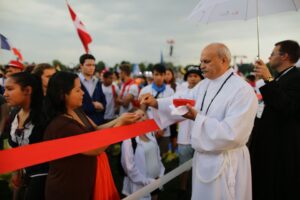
(269,79)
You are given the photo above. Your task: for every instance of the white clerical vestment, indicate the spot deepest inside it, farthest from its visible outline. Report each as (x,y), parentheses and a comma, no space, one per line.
(221,163)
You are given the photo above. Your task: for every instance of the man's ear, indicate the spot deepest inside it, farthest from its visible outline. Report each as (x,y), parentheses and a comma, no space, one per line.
(224,60)
(285,56)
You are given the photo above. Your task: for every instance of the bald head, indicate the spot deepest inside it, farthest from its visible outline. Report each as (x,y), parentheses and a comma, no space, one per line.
(222,51)
(215,60)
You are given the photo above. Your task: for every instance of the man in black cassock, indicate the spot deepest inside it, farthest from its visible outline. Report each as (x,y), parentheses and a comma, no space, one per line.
(275,140)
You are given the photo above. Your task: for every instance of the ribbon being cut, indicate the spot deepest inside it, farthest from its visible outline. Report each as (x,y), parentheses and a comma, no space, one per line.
(179,106)
(21,157)
(183,102)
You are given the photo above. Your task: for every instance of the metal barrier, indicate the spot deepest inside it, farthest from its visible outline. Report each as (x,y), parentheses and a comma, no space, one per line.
(161,181)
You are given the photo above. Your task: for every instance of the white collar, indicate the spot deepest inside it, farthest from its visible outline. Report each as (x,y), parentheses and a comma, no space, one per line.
(222,78)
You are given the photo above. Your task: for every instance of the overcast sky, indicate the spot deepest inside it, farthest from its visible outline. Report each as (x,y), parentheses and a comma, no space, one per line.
(133,30)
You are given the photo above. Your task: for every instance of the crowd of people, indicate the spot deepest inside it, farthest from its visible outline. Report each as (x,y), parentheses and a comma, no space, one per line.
(242,133)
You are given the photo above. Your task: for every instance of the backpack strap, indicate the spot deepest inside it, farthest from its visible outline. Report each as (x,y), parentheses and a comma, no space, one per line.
(113,88)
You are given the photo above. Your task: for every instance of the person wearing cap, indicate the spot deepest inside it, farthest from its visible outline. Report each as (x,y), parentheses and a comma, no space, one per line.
(192,76)
(13,67)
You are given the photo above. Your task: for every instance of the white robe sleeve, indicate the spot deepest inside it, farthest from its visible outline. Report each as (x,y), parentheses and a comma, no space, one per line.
(129,165)
(162,115)
(210,134)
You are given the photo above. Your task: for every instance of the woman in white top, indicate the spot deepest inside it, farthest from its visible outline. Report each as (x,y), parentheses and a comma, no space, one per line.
(141,162)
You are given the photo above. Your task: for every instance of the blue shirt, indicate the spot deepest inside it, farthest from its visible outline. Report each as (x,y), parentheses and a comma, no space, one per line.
(90,85)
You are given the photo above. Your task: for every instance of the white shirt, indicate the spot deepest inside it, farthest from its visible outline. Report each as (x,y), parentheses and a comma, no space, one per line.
(152,159)
(167,93)
(130,89)
(221,163)
(134,166)
(185,126)
(182,86)
(23,139)
(110,101)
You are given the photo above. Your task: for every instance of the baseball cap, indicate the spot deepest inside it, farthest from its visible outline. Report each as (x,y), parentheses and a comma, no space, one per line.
(193,69)
(16,64)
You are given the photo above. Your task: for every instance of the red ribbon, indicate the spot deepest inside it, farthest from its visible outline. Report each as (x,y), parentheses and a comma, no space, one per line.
(183,102)
(21,157)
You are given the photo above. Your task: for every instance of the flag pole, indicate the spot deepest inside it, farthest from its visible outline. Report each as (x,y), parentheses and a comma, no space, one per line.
(257,28)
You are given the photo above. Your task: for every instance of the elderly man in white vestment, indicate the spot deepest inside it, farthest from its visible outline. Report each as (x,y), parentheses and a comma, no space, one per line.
(223,119)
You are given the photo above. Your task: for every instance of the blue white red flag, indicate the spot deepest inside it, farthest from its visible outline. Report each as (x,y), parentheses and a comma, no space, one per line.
(4,44)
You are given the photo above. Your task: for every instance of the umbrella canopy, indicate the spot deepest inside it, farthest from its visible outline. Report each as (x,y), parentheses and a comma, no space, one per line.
(219,10)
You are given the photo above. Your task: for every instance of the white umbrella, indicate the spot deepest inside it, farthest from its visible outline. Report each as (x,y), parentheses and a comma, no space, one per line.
(218,10)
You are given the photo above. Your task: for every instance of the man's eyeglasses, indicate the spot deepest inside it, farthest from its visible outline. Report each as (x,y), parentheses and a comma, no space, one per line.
(274,54)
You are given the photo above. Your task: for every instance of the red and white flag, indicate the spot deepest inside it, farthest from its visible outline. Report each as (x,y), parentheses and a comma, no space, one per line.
(82,33)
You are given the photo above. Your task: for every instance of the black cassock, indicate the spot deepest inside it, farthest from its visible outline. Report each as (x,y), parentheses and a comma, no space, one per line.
(275,140)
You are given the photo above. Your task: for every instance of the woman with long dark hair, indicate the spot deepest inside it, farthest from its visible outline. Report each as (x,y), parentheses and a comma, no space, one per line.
(170,78)
(23,91)
(73,177)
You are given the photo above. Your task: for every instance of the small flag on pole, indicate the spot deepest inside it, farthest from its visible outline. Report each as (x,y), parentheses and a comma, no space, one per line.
(82,33)
(4,44)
